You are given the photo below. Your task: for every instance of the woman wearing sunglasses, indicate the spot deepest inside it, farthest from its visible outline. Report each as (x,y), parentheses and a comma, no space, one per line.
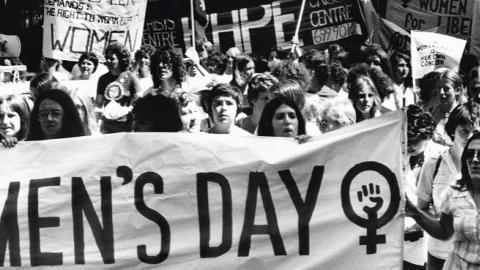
(459,212)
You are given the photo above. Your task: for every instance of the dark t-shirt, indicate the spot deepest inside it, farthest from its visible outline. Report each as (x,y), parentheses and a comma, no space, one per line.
(120,88)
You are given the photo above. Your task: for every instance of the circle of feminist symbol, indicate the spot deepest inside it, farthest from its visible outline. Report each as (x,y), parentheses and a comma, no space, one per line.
(371,193)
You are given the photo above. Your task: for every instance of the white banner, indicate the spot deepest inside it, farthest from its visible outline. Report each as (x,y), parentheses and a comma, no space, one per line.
(72,27)
(430,51)
(204,201)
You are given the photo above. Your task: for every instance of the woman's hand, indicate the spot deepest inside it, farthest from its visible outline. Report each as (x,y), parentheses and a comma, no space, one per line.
(410,209)
(302,138)
(9,141)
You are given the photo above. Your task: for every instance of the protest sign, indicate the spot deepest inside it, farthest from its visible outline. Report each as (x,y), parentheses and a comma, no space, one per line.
(254,26)
(475,37)
(430,51)
(10,46)
(204,201)
(450,17)
(72,27)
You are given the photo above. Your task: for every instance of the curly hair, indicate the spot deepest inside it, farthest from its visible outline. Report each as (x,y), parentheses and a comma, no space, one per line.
(381,81)
(121,52)
(145,51)
(260,83)
(291,70)
(216,63)
(90,57)
(420,123)
(313,58)
(376,50)
(219,90)
(428,85)
(337,53)
(333,71)
(167,54)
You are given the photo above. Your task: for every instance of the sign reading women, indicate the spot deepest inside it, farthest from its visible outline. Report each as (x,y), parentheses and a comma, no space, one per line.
(72,27)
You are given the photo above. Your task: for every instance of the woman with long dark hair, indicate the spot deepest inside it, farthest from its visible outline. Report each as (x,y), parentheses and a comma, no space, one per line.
(281,117)
(54,116)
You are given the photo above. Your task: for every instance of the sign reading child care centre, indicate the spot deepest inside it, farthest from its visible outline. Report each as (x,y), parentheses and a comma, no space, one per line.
(72,27)
(206,201)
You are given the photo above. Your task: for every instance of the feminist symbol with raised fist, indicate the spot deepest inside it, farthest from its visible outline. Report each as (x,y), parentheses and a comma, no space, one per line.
(368,195)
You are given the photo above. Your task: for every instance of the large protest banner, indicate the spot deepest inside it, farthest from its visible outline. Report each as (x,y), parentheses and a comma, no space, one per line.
(72,27)
(254,26)
(186,201)
(450,17)
(431,51)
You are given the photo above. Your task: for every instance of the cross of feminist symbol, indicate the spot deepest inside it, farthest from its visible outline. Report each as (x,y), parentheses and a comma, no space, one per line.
(371,239)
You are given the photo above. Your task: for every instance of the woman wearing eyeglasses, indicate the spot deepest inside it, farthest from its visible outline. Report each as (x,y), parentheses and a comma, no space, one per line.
(54,116)
(459,212)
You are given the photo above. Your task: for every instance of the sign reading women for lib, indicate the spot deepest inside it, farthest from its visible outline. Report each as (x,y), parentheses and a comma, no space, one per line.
(72,27)
(205,201)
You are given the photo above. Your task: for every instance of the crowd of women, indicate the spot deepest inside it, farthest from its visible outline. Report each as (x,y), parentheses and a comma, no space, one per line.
(290,94)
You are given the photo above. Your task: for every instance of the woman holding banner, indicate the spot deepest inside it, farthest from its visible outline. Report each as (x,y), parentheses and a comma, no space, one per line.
(281,117)
(459,212)
(221,104)
(14,120)
(54,116)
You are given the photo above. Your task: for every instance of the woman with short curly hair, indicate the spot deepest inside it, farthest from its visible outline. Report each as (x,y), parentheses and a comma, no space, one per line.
(116,90)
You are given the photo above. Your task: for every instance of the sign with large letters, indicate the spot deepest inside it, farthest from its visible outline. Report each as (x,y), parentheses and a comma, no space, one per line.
(204,201)
(449,17)
(254,26)
(72,27)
